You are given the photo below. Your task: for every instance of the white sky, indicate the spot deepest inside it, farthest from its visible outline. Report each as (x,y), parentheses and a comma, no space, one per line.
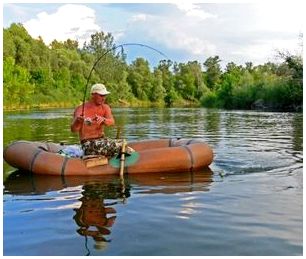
(240,32)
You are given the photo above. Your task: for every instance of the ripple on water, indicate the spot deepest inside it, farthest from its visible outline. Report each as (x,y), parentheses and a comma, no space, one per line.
(249,203)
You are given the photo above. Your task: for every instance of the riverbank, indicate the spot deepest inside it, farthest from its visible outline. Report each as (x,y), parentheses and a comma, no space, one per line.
(138,104)
(119,104)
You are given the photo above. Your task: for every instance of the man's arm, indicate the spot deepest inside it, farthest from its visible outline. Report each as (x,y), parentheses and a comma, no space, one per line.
(77,121)
(108,118)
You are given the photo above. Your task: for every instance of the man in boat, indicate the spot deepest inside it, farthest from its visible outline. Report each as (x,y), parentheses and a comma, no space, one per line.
(89,121)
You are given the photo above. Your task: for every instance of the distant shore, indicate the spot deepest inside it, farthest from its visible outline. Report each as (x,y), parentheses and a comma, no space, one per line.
(119,104)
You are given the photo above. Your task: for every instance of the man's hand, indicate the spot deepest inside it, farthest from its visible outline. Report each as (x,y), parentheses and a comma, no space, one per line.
(79,119)
(99,119)
(77,123)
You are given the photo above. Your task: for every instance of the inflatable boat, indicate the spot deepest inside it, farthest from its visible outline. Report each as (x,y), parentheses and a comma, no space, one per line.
(151,156)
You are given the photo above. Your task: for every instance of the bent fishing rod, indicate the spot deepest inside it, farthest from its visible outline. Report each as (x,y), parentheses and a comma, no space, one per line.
(104,54)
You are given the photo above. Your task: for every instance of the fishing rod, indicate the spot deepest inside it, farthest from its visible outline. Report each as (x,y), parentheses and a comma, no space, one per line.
(104,54)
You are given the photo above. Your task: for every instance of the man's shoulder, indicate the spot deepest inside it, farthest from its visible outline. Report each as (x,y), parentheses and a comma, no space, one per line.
(80,107)
(105,106)
(86,104)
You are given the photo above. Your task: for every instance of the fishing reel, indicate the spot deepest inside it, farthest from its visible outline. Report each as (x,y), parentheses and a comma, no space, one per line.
(88,121)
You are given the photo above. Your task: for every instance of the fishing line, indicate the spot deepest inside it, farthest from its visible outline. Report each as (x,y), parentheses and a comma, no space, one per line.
(108,51)
(86,246)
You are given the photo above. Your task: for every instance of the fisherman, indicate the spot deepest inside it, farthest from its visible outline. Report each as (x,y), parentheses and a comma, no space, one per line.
(89,121)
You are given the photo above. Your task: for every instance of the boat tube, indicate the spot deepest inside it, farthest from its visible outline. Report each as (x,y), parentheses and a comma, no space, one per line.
(151,156)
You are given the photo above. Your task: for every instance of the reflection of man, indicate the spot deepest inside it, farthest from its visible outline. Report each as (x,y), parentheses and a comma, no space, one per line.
(95,218)
(93,221)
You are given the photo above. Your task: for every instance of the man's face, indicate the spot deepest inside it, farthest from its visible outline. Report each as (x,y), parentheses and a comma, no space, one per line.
(98,99)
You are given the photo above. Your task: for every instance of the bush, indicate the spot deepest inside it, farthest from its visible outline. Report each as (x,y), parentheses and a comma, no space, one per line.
(210,100)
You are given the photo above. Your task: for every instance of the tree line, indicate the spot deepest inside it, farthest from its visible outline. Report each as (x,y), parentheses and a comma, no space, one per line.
(37,75)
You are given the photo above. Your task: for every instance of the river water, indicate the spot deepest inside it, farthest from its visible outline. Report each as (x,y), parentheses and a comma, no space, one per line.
(249,202)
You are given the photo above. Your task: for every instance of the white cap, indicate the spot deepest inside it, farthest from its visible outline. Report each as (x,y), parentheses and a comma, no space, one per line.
(99,89)
(100,245)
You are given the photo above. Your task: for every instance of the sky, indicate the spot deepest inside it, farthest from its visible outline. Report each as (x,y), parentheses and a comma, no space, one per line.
(183,31)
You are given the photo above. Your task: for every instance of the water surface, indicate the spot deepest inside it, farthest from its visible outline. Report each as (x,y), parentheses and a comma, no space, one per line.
(248,203)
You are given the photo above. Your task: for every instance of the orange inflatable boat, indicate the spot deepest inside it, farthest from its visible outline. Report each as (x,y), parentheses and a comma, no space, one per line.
(151,156)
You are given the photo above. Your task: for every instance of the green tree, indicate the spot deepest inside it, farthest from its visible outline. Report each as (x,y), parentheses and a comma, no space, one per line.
(140,79)
(229,80)
(168,82)
(293,65)
(22,43)
(213,72)
(17,89)
(121,91)
(158,92)
(111,64)
(40,54)
(8,44)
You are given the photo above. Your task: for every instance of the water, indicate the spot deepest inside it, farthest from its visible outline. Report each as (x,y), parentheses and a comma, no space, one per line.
(248,203)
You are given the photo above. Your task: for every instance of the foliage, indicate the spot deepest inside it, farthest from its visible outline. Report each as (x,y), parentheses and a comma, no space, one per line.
(213,71)
(38,75)
(17,87)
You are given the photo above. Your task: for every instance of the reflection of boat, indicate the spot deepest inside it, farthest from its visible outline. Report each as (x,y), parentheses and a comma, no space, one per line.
(152,156)
(25,183)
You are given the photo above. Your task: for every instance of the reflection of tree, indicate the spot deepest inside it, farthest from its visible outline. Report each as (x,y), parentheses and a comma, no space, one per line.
(55,122)
(297,125)
(95,217)
(231,123)
(212,122)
